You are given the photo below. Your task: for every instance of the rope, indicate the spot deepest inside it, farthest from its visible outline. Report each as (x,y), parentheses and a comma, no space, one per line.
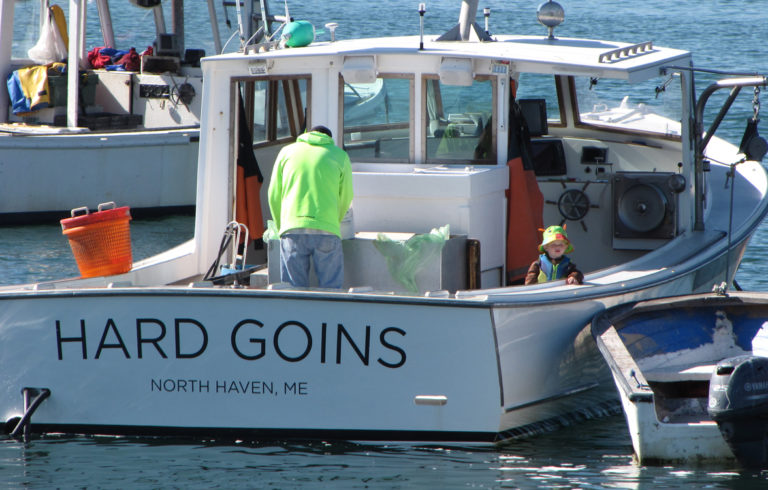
(732,177)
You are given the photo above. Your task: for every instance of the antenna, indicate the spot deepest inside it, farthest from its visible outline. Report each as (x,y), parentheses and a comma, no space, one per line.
(422,10)
(240,23)
(331,26)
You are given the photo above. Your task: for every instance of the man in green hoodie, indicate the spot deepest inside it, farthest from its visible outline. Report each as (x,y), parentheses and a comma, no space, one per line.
(309,194)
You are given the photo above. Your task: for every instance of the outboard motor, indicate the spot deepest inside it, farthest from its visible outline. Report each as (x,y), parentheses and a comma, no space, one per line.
(738,402)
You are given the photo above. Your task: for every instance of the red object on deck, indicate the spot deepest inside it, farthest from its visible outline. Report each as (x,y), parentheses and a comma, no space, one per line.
(525,207)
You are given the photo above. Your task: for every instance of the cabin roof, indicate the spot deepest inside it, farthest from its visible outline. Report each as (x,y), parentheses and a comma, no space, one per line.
(566,56)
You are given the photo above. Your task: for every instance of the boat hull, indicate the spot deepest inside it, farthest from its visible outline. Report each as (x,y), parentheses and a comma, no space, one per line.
(312,364)
(202,362)
(42,178)
(208,362)
(658,442)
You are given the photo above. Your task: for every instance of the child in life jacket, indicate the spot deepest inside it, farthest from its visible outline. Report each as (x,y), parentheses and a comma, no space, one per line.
(553,264)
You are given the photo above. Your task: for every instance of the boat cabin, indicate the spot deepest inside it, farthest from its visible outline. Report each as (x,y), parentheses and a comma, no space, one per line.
(494,138)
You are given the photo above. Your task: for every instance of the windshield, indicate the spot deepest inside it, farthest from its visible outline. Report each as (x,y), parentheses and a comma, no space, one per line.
(652,106)
(535,86)
(459,123)
(377,119)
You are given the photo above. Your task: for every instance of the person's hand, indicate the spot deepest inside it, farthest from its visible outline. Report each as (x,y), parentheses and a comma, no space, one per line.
(571,281)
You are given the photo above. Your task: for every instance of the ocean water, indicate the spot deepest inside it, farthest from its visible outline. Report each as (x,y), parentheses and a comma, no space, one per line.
(723,34)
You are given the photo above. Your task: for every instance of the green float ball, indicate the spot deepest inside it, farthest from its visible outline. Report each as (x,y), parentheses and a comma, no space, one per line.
(299,33)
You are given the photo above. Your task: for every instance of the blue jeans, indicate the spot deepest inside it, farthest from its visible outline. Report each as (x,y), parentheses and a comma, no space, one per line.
(326,253)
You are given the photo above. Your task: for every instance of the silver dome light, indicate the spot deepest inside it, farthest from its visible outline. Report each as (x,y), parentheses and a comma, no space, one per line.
(551,15)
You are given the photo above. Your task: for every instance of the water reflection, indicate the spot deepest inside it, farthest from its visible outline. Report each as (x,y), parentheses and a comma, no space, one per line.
(594,454)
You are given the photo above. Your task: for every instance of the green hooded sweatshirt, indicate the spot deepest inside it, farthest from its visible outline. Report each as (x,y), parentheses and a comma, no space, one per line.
(311,185)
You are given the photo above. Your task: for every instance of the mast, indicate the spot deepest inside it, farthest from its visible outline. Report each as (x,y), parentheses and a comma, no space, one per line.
(467,29)
(177,19)
(77,10)
(214,26)
(105,19)
(6,48)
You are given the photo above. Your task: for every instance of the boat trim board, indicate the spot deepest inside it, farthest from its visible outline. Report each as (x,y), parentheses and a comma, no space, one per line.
(563,394)
(226,433)
(238,433)
(623,365)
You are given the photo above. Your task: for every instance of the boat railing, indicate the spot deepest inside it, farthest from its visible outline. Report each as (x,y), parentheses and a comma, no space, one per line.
(703,138)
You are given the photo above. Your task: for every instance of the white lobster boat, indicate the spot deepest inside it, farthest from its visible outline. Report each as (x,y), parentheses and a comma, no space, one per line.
(450,350)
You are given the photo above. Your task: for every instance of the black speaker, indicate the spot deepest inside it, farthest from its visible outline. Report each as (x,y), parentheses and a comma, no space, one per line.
(645,204)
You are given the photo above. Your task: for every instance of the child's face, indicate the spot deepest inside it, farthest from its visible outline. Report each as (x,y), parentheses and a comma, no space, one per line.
(555,249)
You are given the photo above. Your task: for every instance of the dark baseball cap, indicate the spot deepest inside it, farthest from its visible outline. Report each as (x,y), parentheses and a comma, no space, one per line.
(322,129)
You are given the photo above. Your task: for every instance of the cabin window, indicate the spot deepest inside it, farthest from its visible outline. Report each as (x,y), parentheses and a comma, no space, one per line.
(653,106)
(278,108)
(377,119)
(537,87)
(459,126)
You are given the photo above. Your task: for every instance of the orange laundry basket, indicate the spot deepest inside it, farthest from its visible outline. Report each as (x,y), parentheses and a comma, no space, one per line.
(100,241)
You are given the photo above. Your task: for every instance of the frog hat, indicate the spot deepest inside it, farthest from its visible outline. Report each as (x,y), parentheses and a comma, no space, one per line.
(555,233)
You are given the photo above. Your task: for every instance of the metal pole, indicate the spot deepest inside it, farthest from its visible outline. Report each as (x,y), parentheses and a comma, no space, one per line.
(159,20)
(247,19)
(214,26)
(723,111)
(422,10)
(105,19)
(467,18)
(177,17)
(73,65)
(700,142)
(265,18)
(6,49)
(82,53)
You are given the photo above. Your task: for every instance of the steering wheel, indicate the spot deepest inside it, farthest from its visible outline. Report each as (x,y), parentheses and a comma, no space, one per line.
(573,204)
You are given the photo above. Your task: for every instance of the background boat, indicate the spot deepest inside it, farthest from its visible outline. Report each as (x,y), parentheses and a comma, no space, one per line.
(109,134)
(662,354)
